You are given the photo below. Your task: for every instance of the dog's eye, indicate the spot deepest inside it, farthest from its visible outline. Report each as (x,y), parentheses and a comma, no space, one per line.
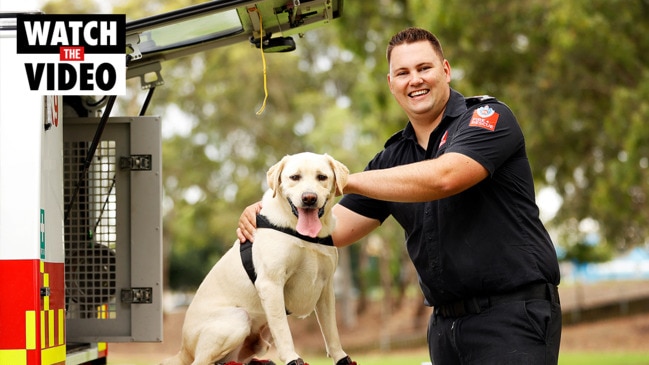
(322,177)
(295,177)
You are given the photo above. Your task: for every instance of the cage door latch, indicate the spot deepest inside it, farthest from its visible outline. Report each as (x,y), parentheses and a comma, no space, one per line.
(136,162)
(137,295)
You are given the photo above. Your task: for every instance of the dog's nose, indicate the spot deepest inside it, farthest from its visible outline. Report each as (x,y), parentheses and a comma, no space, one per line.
(309,199)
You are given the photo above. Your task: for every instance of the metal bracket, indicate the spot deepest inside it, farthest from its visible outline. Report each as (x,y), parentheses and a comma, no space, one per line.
(149,75)
(45,291)
(136,162)
(253,14)
(137,295)
(132,43)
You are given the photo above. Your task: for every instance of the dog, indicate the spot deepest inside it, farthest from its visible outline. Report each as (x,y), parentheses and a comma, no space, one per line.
(241,306)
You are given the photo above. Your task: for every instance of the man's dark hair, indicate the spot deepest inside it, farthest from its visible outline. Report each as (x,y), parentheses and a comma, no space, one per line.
(412,35)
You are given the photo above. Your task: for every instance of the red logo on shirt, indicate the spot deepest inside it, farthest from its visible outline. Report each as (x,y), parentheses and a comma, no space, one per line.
(484,117)
(441,143)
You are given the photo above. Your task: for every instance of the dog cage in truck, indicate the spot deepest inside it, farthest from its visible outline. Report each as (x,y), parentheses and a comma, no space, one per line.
(80,217)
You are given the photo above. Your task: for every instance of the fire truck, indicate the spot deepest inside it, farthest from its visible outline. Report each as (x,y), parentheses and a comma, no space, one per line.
(80,190)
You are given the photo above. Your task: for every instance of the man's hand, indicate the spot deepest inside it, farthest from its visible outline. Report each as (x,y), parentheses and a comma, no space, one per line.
(248,223)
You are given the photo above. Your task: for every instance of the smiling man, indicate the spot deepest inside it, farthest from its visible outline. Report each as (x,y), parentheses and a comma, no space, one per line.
(458,180)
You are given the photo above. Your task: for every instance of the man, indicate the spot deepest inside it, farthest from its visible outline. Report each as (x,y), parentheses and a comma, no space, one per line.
(458,180)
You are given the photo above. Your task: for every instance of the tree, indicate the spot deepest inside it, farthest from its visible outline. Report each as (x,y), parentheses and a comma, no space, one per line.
(573,72)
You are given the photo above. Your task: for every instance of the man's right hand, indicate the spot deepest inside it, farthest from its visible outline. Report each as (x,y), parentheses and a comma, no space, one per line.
(248,223)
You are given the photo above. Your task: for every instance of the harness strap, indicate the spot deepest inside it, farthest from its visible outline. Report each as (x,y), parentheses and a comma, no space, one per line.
(245,248)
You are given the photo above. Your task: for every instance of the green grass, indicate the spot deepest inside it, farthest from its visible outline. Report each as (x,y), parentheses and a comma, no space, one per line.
(606,358)
(401,358)
(416,357)
(571,358)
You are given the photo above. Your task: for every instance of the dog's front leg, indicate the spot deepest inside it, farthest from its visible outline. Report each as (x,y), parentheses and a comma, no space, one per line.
(326,315)
(272,300)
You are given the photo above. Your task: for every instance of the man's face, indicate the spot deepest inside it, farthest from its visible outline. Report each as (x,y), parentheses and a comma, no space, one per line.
(419,80)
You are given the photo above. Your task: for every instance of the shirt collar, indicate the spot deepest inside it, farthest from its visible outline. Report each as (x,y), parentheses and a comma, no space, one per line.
(456,105)
(454,108)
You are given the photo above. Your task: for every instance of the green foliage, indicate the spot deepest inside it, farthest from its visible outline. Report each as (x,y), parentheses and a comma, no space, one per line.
(582,252)
(574,72)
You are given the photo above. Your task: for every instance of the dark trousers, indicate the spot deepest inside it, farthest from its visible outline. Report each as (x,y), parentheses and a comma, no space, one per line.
(525,332)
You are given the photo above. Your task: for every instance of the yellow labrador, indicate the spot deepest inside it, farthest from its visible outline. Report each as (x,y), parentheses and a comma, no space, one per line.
(246,297)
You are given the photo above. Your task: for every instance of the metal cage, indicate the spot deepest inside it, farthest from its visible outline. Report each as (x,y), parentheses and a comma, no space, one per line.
(112,234)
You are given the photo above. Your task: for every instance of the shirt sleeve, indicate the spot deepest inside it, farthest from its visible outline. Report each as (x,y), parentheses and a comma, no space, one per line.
(368,207)
(488,134)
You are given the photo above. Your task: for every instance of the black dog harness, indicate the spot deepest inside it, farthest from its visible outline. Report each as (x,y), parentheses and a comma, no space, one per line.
(245,248)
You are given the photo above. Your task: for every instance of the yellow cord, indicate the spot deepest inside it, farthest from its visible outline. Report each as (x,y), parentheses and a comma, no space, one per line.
(263,60)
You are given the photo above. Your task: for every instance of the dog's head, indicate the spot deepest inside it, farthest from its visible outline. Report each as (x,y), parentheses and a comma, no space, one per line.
(309,182)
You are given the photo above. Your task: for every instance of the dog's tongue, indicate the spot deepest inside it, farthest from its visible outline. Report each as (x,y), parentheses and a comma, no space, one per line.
(308,223)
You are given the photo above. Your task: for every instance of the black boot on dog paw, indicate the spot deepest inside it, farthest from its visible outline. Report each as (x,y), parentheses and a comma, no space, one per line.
(260,362)
(346,361)
(297,361)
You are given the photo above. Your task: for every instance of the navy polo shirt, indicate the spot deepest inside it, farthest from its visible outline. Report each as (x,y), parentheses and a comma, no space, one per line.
(486,240)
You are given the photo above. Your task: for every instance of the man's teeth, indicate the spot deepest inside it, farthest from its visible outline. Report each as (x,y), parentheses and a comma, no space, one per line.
(419,92)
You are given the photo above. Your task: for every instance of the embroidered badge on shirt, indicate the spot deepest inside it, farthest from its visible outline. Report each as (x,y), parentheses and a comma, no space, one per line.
(484,117)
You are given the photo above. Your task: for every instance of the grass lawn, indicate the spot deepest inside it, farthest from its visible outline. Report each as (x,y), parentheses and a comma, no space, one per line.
(388,358)
(605,358)
(571,358)
(417,357)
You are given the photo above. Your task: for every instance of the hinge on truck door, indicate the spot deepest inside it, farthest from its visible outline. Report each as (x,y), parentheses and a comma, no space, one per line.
(136,162)
(137,295)
(133,45)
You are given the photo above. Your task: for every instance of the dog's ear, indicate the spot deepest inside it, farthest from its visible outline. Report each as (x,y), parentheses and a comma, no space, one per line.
(274,175)
(341,172)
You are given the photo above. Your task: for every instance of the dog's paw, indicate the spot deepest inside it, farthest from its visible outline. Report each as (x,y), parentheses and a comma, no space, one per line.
(346,361)
(297,361)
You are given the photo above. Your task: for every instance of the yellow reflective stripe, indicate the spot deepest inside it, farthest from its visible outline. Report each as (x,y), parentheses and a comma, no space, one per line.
(53,355)
(61,327)
(50,328)
(13,357)
(30,330)
(42,329)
